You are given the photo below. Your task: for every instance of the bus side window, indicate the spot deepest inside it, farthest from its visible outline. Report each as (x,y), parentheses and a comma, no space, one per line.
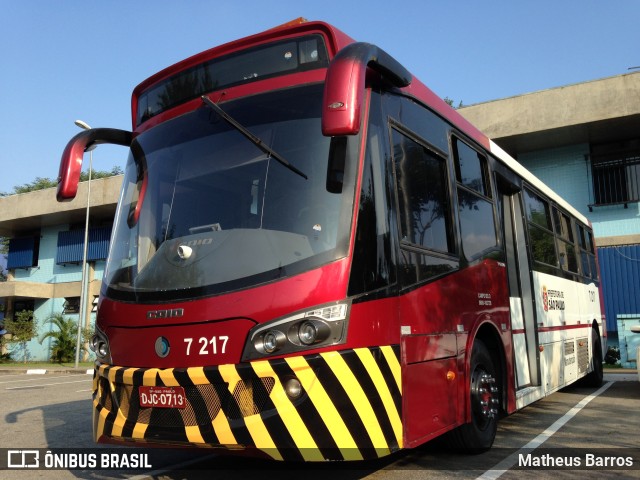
(427,246)
(541,235)
(587,254)
(564,238)
(475,207)
(423,200)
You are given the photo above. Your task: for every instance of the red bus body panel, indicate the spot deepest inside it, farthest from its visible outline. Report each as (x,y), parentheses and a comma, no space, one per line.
(435,364)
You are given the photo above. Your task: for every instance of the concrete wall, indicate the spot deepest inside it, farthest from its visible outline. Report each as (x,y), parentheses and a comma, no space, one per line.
(33,210)
(557,108)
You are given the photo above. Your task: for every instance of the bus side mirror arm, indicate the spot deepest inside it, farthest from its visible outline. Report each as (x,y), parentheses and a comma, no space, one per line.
(345,84)
(71,161)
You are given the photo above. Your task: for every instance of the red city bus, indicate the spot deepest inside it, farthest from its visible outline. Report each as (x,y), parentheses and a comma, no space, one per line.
(314,257)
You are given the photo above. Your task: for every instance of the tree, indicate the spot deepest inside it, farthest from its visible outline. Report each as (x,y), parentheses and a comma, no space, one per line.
(449,101)
(96,174)
(22,329)
(40,183)
(64,335)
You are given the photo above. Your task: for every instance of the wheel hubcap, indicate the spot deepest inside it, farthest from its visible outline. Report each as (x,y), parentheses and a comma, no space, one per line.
(484,395)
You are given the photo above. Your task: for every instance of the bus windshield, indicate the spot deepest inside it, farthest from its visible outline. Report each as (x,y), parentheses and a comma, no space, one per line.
(203,210)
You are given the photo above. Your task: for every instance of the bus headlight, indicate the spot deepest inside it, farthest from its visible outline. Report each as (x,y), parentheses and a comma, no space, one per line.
(102,350)
(100,345)
(319,327)
(270,342)
(313,331)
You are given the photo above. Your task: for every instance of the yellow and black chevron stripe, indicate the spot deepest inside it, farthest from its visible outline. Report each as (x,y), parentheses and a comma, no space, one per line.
(350,408)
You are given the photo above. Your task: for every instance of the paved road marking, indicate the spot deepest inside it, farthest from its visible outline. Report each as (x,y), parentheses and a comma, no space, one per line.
(45,385)
(36,379)
(502,467)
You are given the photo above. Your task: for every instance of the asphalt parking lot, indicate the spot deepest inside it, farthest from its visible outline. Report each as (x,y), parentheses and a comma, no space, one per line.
(575,425)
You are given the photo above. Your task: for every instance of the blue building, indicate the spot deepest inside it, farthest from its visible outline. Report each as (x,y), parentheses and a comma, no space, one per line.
(44,262)
(583,141)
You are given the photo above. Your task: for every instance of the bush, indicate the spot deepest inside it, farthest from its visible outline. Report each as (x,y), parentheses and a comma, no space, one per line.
(63,346)
(612,356)
(22,329)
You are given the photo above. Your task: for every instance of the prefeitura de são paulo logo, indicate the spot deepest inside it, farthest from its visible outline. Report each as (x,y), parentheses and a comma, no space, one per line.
(552,299)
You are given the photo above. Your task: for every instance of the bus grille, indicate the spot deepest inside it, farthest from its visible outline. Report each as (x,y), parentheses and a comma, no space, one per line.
(249,397)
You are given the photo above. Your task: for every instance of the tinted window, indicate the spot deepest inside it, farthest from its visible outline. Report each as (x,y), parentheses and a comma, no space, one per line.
(372,265)
(568,259)
(423,122)
(423,203)
(477,224)
(541,237)
(258,63)
(537,210)
(587,256)
(245,218)
(543,246)
(471,168)
(563,225)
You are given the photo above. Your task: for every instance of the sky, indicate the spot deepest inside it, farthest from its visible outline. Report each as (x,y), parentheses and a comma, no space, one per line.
(68,59)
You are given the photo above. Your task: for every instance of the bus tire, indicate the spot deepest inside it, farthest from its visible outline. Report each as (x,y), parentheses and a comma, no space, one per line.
(484,399)
(594,378)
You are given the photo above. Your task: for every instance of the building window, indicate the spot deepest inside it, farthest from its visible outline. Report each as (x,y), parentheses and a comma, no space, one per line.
(616,172)
(23,252)
(71,305)
(71,245)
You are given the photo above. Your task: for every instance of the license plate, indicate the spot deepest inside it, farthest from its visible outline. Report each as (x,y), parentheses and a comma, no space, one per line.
(162,397)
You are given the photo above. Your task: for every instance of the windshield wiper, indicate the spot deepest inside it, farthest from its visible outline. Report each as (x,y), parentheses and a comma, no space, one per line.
(255,140)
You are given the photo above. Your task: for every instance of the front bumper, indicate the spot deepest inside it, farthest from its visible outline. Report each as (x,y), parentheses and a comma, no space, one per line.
(350,408)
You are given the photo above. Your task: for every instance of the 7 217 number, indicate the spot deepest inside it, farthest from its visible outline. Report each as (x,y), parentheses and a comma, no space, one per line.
(208,346)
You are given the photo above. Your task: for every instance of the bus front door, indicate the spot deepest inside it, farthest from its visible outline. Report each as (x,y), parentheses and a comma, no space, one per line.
(523,327)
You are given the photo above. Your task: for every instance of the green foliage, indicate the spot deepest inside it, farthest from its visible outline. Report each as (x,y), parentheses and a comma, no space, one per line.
(22,329)
(41,183)
(449,101)
(613,356)
(95,174)
(64,337)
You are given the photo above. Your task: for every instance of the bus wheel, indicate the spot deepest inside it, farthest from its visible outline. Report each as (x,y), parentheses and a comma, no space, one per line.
(594,378)
(478,435)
